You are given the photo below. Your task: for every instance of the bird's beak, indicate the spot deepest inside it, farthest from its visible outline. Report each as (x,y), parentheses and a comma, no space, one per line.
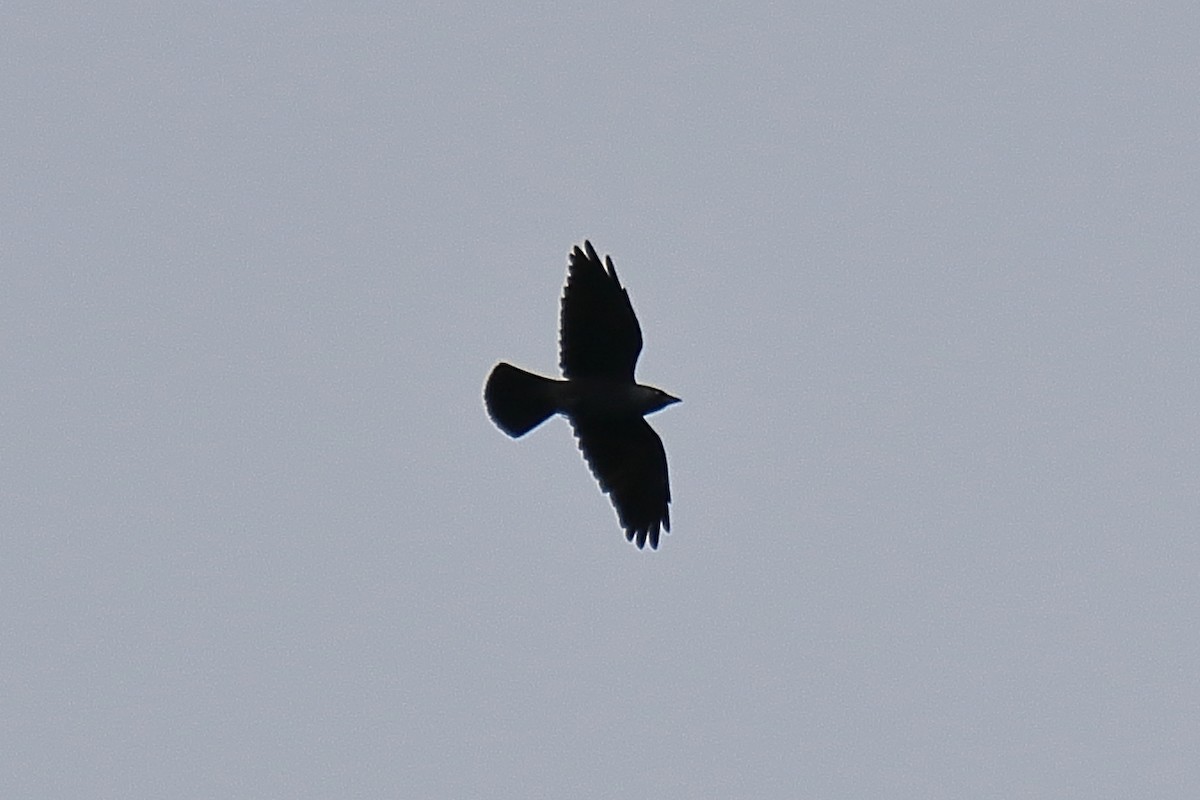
(672,399)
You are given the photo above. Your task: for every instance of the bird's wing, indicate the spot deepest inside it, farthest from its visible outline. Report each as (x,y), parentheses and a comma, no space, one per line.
(599,333)
(628,460)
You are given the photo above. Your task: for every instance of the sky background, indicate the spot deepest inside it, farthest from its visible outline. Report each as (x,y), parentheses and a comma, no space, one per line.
(926,276)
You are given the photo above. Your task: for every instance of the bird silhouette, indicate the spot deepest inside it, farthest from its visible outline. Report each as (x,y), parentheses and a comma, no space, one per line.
(599,344)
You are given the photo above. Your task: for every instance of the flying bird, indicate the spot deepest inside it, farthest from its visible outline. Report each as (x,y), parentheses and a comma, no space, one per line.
(599,344)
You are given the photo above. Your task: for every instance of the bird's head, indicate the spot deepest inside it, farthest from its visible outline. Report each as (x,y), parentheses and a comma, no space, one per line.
(653,399)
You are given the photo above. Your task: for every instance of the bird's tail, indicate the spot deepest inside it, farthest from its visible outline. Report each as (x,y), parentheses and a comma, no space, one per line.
(518,401)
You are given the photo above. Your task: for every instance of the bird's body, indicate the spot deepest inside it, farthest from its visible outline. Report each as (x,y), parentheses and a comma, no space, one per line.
(599,346)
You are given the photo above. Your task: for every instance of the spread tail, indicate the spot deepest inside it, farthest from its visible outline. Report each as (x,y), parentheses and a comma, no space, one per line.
(518,401)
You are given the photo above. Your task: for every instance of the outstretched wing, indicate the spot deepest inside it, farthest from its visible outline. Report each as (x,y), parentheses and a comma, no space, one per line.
(599,335)
(628,460)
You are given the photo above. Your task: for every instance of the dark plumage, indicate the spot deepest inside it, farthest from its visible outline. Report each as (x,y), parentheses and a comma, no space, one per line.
(599,344)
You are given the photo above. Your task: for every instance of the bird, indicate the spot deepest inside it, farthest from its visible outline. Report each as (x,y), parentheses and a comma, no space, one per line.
(599,343)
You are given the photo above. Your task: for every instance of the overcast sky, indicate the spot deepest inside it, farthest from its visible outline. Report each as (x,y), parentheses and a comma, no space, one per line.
(926,277)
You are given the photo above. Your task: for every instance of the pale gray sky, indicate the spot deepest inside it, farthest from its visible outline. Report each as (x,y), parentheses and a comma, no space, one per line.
(926,277)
